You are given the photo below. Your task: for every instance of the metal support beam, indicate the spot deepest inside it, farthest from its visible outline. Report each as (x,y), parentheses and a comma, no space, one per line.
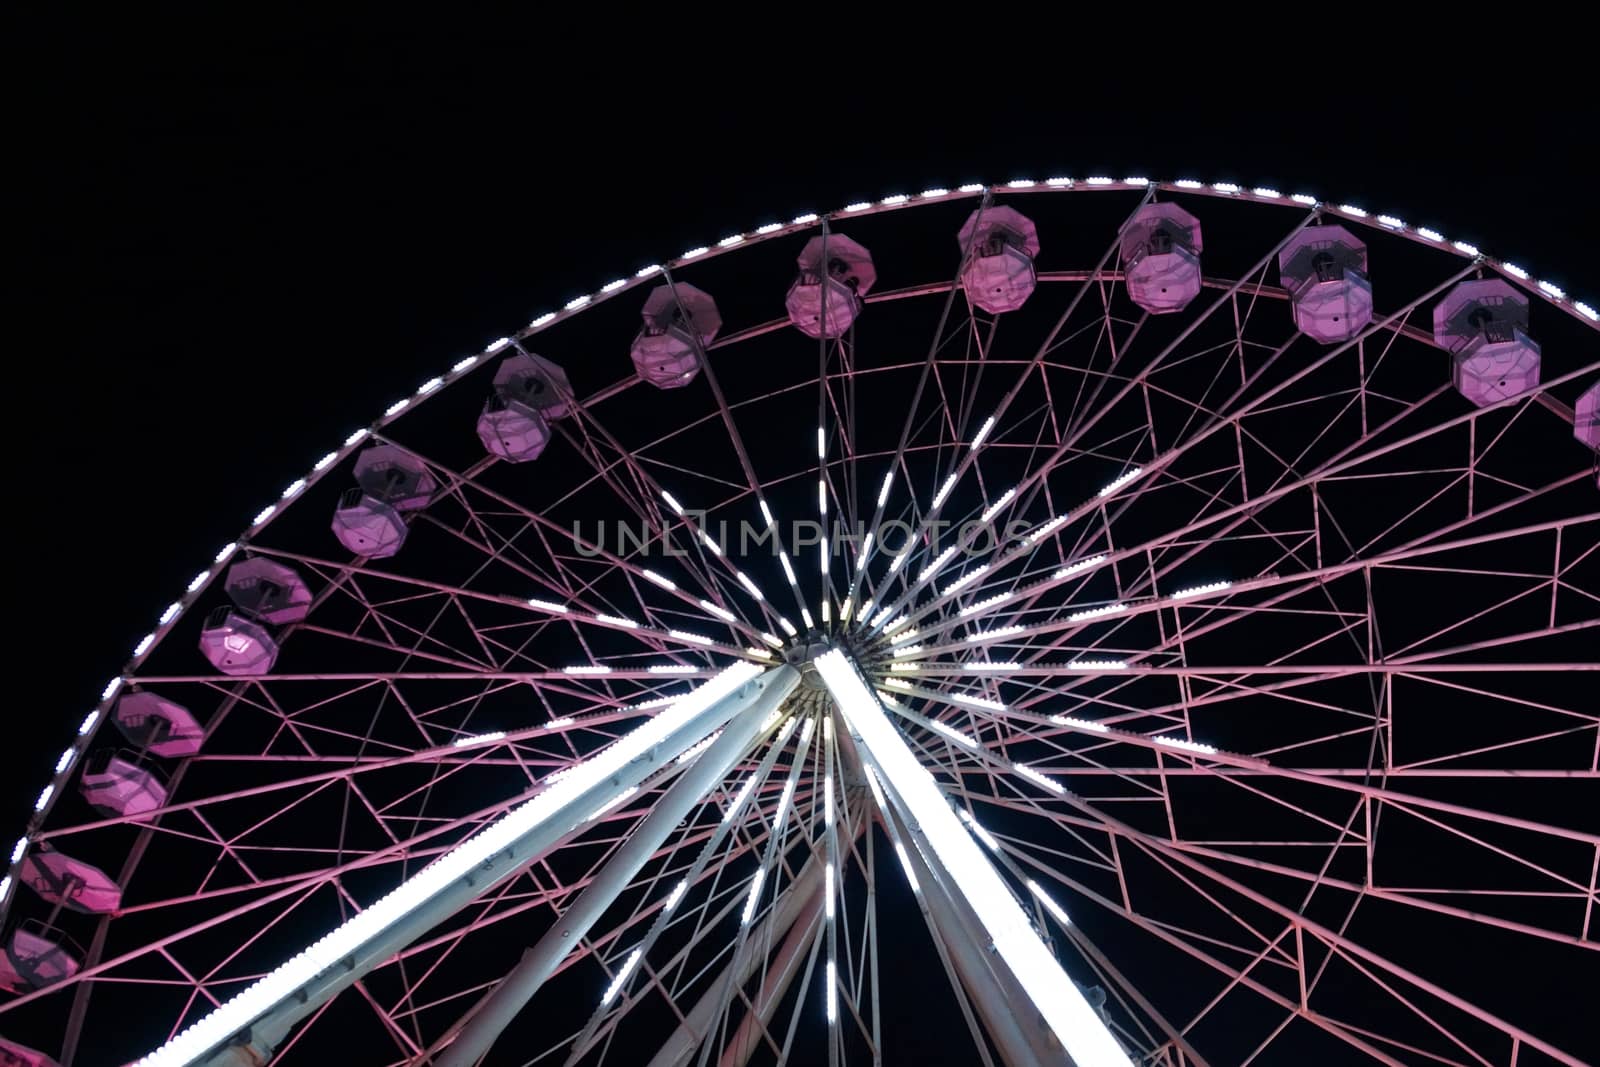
(246,1030)
(485,1021)
(1020,1036)
(788,961)
(788,909)
(939,835)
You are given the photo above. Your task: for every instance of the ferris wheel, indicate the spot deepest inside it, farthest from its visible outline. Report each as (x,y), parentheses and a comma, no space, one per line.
(1173,605)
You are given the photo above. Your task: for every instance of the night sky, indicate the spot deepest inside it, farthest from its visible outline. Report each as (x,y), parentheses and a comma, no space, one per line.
(239,243)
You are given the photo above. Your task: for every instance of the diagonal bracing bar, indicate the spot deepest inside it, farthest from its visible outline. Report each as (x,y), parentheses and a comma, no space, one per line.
(244,1031)
(937,831)
(484,1022)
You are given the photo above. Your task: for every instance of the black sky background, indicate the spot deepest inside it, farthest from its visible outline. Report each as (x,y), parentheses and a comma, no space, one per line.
(236,244)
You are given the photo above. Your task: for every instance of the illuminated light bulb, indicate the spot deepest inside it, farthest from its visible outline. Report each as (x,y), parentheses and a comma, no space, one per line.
(859,205)
(772,640)
(954,734)
(264,514)
(550,606)
(983,431)
(298,484)
(575,303)
(1021,183)
(1039,777)
(977,829)
(788,627)
(833,994)
(994,509)
(897,683)
(906,650)
(822,495)
(672,502)
(828,877)
(1078,567)
(1058,183)
(801,220)
(661,580)
(894,564)
(1080,724)
(766,513)
(616,620)
(65,760)
(1463,246)
(1136,182)
(983,605)
(822,443)
(827,802)
(429,386)
(827,613)
(844,608)
(938,561)
(44,797)
(710,542)
(970,187)
(769,227)
(111,688)
(866,608)
(88,723)
(759,653)
(1200,590)
(788,568)
(1189,183)
(685,635)
(1351,209)
(1120,481)
(615,802)
(1303,198)
(557,724)
(1047,529)
(1390,222)
(491,737)
(543,320)
(622,976)
(1186,746)
(1096,613)
(695,252)
(1098,665)
(672,668)
(720,612)
(898,666)
(1225,187)
(975,701)
(993,665)
(614,285)
(731,240)
(805,617)
(995,634)
(1431,235)
(906,636)
(739,798)
(749,586)
(966,579)
(397,407)
(896,624)
(883,493)
(1267,193)
(861,560)
(944,490)
(933,194)
(325,462)
(1049,903)
(754,898)
(1098,180)
(171,612)
(1552,290)
(587,668)
(824,556)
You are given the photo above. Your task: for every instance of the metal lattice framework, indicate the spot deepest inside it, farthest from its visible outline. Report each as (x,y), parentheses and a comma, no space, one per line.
(1266,673)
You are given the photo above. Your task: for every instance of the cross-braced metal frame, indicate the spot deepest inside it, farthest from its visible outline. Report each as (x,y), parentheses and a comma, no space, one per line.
(1264,677)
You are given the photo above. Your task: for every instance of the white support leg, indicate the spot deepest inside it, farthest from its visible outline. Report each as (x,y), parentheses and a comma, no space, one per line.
(245,1030)
(939,835)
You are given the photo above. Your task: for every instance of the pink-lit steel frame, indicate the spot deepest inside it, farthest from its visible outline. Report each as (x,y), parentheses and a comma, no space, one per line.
(1302,698)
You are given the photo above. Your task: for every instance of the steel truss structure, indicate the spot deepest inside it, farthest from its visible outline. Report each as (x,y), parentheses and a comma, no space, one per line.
(1194,692)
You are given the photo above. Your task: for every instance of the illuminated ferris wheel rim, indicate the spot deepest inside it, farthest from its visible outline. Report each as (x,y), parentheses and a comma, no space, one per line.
(1551,294)
(1345,213)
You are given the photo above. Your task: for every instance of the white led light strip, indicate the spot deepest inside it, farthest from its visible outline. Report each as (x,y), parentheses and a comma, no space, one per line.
(355,936)
(1087,1040)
